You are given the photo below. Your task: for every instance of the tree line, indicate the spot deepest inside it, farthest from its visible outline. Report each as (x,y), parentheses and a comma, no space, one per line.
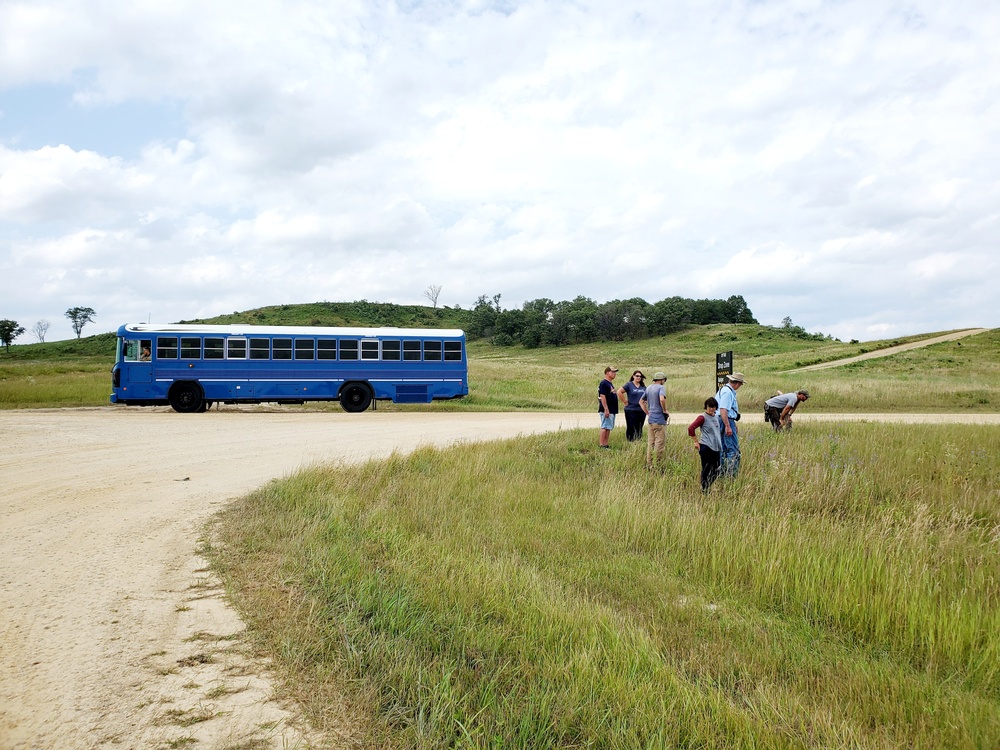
(78,316)
(542,322)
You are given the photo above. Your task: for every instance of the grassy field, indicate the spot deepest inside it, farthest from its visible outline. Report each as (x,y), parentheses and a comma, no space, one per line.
(958,376)
(843,593)
(944,377)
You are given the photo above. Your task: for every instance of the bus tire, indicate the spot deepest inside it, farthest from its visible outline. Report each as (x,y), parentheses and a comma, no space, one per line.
(355,397)
(186,397)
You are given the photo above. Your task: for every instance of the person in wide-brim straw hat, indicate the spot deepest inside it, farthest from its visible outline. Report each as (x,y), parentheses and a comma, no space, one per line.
(654,403)
(729,415)
(778,409)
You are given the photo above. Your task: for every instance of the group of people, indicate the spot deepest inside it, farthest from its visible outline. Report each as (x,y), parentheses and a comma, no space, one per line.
(715,432)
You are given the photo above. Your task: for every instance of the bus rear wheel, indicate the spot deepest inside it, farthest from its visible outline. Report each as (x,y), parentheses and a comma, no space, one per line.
(186,398)
(355,397)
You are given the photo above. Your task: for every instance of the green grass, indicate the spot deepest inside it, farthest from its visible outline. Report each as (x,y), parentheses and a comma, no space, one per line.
(54,382)
(844,592)
(945,377)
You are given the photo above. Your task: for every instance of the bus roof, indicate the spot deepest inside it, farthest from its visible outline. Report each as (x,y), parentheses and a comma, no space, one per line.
(239,329)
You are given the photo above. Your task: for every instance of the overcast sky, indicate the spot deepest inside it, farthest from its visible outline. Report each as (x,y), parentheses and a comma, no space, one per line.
(834,162)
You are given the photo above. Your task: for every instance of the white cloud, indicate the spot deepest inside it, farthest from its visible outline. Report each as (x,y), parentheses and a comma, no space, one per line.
(525,148)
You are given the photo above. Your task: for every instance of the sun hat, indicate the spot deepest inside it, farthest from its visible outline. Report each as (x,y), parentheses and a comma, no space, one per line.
(659,376)
(737,377)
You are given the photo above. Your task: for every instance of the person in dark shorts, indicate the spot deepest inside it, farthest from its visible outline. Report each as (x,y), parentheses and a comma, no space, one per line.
(607,405)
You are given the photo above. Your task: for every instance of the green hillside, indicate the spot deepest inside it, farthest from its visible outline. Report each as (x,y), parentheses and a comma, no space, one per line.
(361,313)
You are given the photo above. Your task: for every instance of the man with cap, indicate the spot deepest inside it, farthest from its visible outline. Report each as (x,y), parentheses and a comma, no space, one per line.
(607,405)
(654,403)
(729,415)
(778,410)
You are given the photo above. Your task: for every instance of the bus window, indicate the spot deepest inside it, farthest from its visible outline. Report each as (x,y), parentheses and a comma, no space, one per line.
(281,349)
(137,351)
(214,349)
(432,350)
(327,349)
(369,349)
(236,348)
(305,349)
(166,347)
(411,351)
(453,351)
(190,348)
(260,348)
(348,349)
(390,350)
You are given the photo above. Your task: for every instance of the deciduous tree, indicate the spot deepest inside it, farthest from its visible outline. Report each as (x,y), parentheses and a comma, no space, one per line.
(9,330)
(79,317)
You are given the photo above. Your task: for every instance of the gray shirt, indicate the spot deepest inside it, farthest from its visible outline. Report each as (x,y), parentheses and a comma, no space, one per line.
(711,432)
(785,399)
(652,399)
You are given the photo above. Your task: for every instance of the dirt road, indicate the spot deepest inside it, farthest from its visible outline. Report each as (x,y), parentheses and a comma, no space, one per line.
(889,351)
(112,631)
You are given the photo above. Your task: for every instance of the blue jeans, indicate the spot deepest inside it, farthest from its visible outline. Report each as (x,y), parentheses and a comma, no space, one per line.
(730,453)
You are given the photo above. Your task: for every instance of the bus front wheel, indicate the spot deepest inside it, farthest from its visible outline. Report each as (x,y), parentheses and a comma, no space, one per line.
(355,397)
(186,398)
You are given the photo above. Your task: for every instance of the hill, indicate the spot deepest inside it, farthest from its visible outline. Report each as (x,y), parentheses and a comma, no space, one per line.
(360,313)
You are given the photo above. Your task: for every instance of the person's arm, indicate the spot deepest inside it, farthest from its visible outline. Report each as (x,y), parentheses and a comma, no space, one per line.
(663,404)
(724,413)
(644,404)
(622,395)
(789,408)
(698,422)
(604,402)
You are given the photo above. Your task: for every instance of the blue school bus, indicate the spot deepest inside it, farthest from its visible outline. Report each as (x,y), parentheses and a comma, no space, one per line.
(191,367)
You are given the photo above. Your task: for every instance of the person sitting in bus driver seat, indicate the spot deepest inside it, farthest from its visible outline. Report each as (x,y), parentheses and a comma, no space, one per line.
(145,356)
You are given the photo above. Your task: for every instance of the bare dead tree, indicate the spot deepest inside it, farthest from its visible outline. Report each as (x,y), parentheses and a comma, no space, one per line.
(40,329)
(432,293)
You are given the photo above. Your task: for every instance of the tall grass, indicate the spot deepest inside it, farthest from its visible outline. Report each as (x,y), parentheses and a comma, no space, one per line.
(81,381)
(844,592)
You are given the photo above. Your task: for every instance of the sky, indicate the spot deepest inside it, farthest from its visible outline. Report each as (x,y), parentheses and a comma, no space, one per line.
(835,163)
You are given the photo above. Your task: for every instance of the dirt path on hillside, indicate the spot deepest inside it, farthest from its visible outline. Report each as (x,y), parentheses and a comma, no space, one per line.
(889,351)
(113,632)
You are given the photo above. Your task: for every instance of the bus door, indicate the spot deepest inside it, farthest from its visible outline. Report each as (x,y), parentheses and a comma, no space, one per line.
(238,384)
(138,355)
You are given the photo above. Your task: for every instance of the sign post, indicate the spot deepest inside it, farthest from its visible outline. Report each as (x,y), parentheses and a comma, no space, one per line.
(723,369)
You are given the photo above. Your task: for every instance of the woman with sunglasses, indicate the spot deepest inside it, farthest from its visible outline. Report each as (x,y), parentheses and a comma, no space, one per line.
(631,394)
